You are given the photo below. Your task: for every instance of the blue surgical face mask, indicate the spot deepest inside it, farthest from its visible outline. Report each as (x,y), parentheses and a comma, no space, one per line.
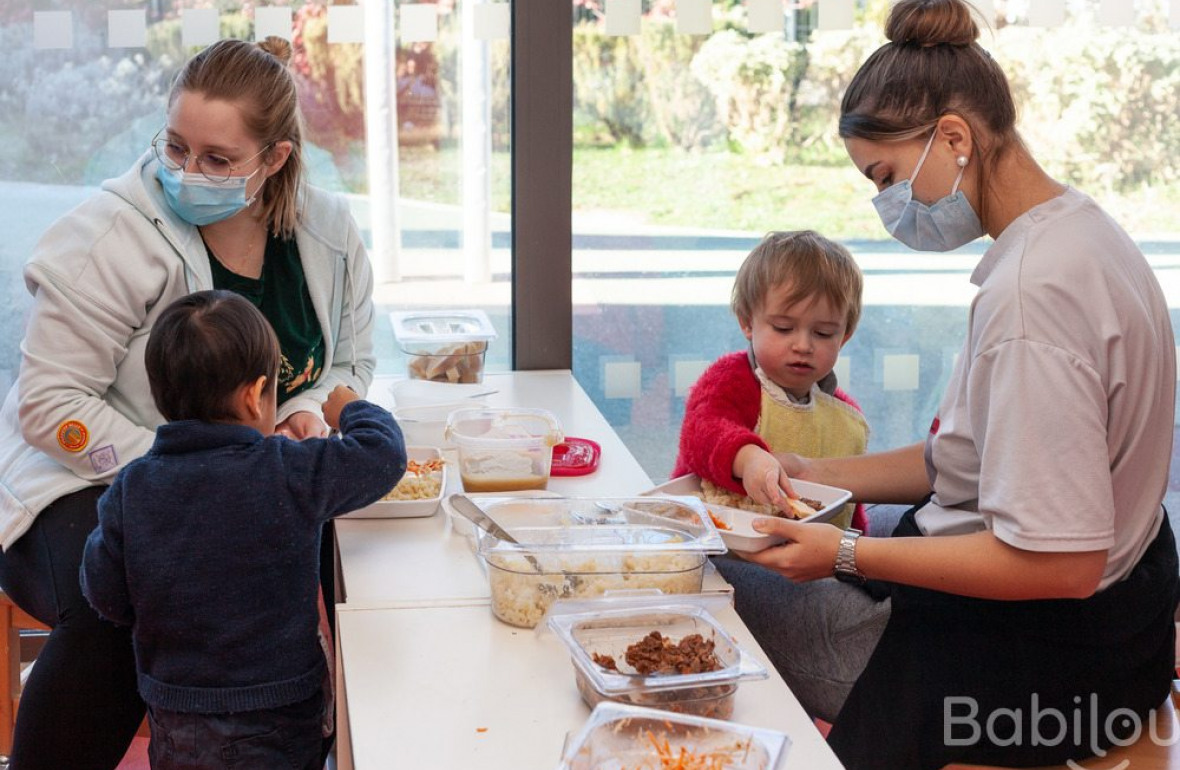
(947,224)
(201,201)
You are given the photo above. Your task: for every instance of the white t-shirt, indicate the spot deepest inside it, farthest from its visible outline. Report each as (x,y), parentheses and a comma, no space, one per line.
(1056,428)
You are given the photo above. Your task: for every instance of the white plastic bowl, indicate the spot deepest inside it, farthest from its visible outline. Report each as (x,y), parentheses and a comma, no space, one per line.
(407,509)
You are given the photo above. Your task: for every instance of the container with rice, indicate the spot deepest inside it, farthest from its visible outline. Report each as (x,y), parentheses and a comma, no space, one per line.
(580,547)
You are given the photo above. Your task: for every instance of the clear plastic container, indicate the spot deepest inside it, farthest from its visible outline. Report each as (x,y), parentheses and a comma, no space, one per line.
(444,345)
(583,547)
(620,737)
(712,701)
(607,627)
(503,449)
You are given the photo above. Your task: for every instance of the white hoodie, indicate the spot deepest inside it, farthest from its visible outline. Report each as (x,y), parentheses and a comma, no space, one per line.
(81,408)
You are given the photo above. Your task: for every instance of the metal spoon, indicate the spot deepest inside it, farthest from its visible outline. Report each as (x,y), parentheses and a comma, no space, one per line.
(473,513)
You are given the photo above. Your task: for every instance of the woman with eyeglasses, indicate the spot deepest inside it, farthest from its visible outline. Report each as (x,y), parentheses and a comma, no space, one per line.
(1022,614)
(219,201)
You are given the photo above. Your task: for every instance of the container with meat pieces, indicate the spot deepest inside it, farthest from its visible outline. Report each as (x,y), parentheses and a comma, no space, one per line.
(620,737)
(658,652)
(444,345)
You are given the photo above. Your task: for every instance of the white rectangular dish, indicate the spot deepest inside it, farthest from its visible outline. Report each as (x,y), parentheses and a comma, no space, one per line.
(736,524)
(409,509)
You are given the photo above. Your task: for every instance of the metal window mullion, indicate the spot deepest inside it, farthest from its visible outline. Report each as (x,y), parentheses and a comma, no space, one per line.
(542,173)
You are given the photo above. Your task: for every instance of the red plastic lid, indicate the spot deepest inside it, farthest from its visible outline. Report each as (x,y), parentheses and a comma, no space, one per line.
(575,457)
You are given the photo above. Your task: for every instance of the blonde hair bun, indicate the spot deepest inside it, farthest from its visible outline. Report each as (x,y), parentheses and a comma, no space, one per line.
(277,47)
(932,22)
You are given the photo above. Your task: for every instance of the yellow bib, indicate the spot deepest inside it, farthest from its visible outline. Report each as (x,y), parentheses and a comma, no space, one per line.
(823,427)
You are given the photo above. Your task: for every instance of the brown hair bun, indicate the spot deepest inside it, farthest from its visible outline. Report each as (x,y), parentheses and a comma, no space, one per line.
(932,22)
(277,47)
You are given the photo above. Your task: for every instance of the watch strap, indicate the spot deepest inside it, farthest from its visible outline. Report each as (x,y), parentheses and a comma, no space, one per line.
(846,569)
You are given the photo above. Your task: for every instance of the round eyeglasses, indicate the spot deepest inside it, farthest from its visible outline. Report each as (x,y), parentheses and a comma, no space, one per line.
(214,167)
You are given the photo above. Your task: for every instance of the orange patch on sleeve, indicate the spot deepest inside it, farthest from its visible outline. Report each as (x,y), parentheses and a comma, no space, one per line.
(72,436)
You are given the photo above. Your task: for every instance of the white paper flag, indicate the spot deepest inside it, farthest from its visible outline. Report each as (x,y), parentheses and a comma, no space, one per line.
(272,21)
(199,26)
(765,15)
(493,21)
(836,14)
(987,13)
(694,17)
(346,24)
(127,29)
(900,372)
(1046,13)
(53,29)
(1116,13)
(622,17)
(419,23)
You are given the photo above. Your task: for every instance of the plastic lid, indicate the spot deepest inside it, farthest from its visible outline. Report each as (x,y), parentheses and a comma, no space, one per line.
(617,736)
(601,526)
(575,457)
(441,326)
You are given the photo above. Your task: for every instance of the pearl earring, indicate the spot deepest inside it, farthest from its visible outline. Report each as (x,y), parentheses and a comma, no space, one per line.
(962,161)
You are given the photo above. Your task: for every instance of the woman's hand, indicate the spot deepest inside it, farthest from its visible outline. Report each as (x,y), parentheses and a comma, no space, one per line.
(763,476)
(808,554)
(301,425)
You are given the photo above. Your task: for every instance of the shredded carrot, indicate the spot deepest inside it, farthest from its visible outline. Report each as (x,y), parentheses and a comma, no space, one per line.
(481,729)
(416,468)
(686,758)
(717,521)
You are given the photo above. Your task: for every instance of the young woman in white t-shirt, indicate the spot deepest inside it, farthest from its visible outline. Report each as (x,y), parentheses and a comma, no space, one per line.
(1022,613)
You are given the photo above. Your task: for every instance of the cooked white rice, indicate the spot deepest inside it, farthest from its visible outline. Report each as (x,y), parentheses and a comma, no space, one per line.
(521,595)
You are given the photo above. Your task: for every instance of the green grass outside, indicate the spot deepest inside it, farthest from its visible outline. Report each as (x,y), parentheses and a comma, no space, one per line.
(728,191)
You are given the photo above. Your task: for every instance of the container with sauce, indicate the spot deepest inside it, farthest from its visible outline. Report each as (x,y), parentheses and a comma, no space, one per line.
(504,449)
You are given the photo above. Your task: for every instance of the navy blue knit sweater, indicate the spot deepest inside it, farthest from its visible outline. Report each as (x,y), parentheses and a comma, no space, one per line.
(208,546)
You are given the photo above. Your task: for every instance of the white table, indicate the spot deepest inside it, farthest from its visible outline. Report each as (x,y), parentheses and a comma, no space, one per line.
(387,562)
(450,687)
(429,679)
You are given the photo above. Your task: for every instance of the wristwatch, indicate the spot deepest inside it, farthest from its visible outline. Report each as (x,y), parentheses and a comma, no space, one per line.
(846,570)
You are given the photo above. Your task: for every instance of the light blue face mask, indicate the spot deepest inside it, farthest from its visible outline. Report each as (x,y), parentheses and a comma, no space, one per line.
(948,224)
(201,201)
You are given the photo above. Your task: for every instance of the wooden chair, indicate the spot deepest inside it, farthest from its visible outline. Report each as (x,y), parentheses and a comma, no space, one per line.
(13,620)
(1158,748)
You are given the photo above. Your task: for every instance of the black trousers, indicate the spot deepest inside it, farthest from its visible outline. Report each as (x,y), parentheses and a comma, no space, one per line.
(80,708)
(1017,683)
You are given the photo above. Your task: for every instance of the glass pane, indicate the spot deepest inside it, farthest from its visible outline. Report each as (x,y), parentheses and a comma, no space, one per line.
(689,147)
(86,88)
(452,82)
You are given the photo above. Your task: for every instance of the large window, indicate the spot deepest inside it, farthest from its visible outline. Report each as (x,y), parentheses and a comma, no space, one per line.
(699,127)
(407,114)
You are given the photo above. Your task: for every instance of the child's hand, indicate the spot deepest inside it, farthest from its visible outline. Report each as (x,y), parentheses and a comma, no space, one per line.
(763,477)
(340,397)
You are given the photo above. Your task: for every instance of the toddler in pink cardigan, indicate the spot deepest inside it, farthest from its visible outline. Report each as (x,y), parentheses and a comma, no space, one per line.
(797,298)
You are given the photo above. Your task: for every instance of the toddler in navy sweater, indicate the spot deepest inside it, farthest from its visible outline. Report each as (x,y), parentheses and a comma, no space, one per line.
(208,545)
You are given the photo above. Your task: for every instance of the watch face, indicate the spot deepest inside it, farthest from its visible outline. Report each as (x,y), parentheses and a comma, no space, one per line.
(845,576)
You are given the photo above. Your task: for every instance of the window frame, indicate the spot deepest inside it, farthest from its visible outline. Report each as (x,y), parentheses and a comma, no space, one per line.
(542,185)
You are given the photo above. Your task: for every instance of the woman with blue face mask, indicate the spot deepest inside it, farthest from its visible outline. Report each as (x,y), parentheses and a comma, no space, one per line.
(218,201)
(1022,612)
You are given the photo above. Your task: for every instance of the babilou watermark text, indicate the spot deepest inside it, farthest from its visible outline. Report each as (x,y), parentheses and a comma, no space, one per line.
(1080,726)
